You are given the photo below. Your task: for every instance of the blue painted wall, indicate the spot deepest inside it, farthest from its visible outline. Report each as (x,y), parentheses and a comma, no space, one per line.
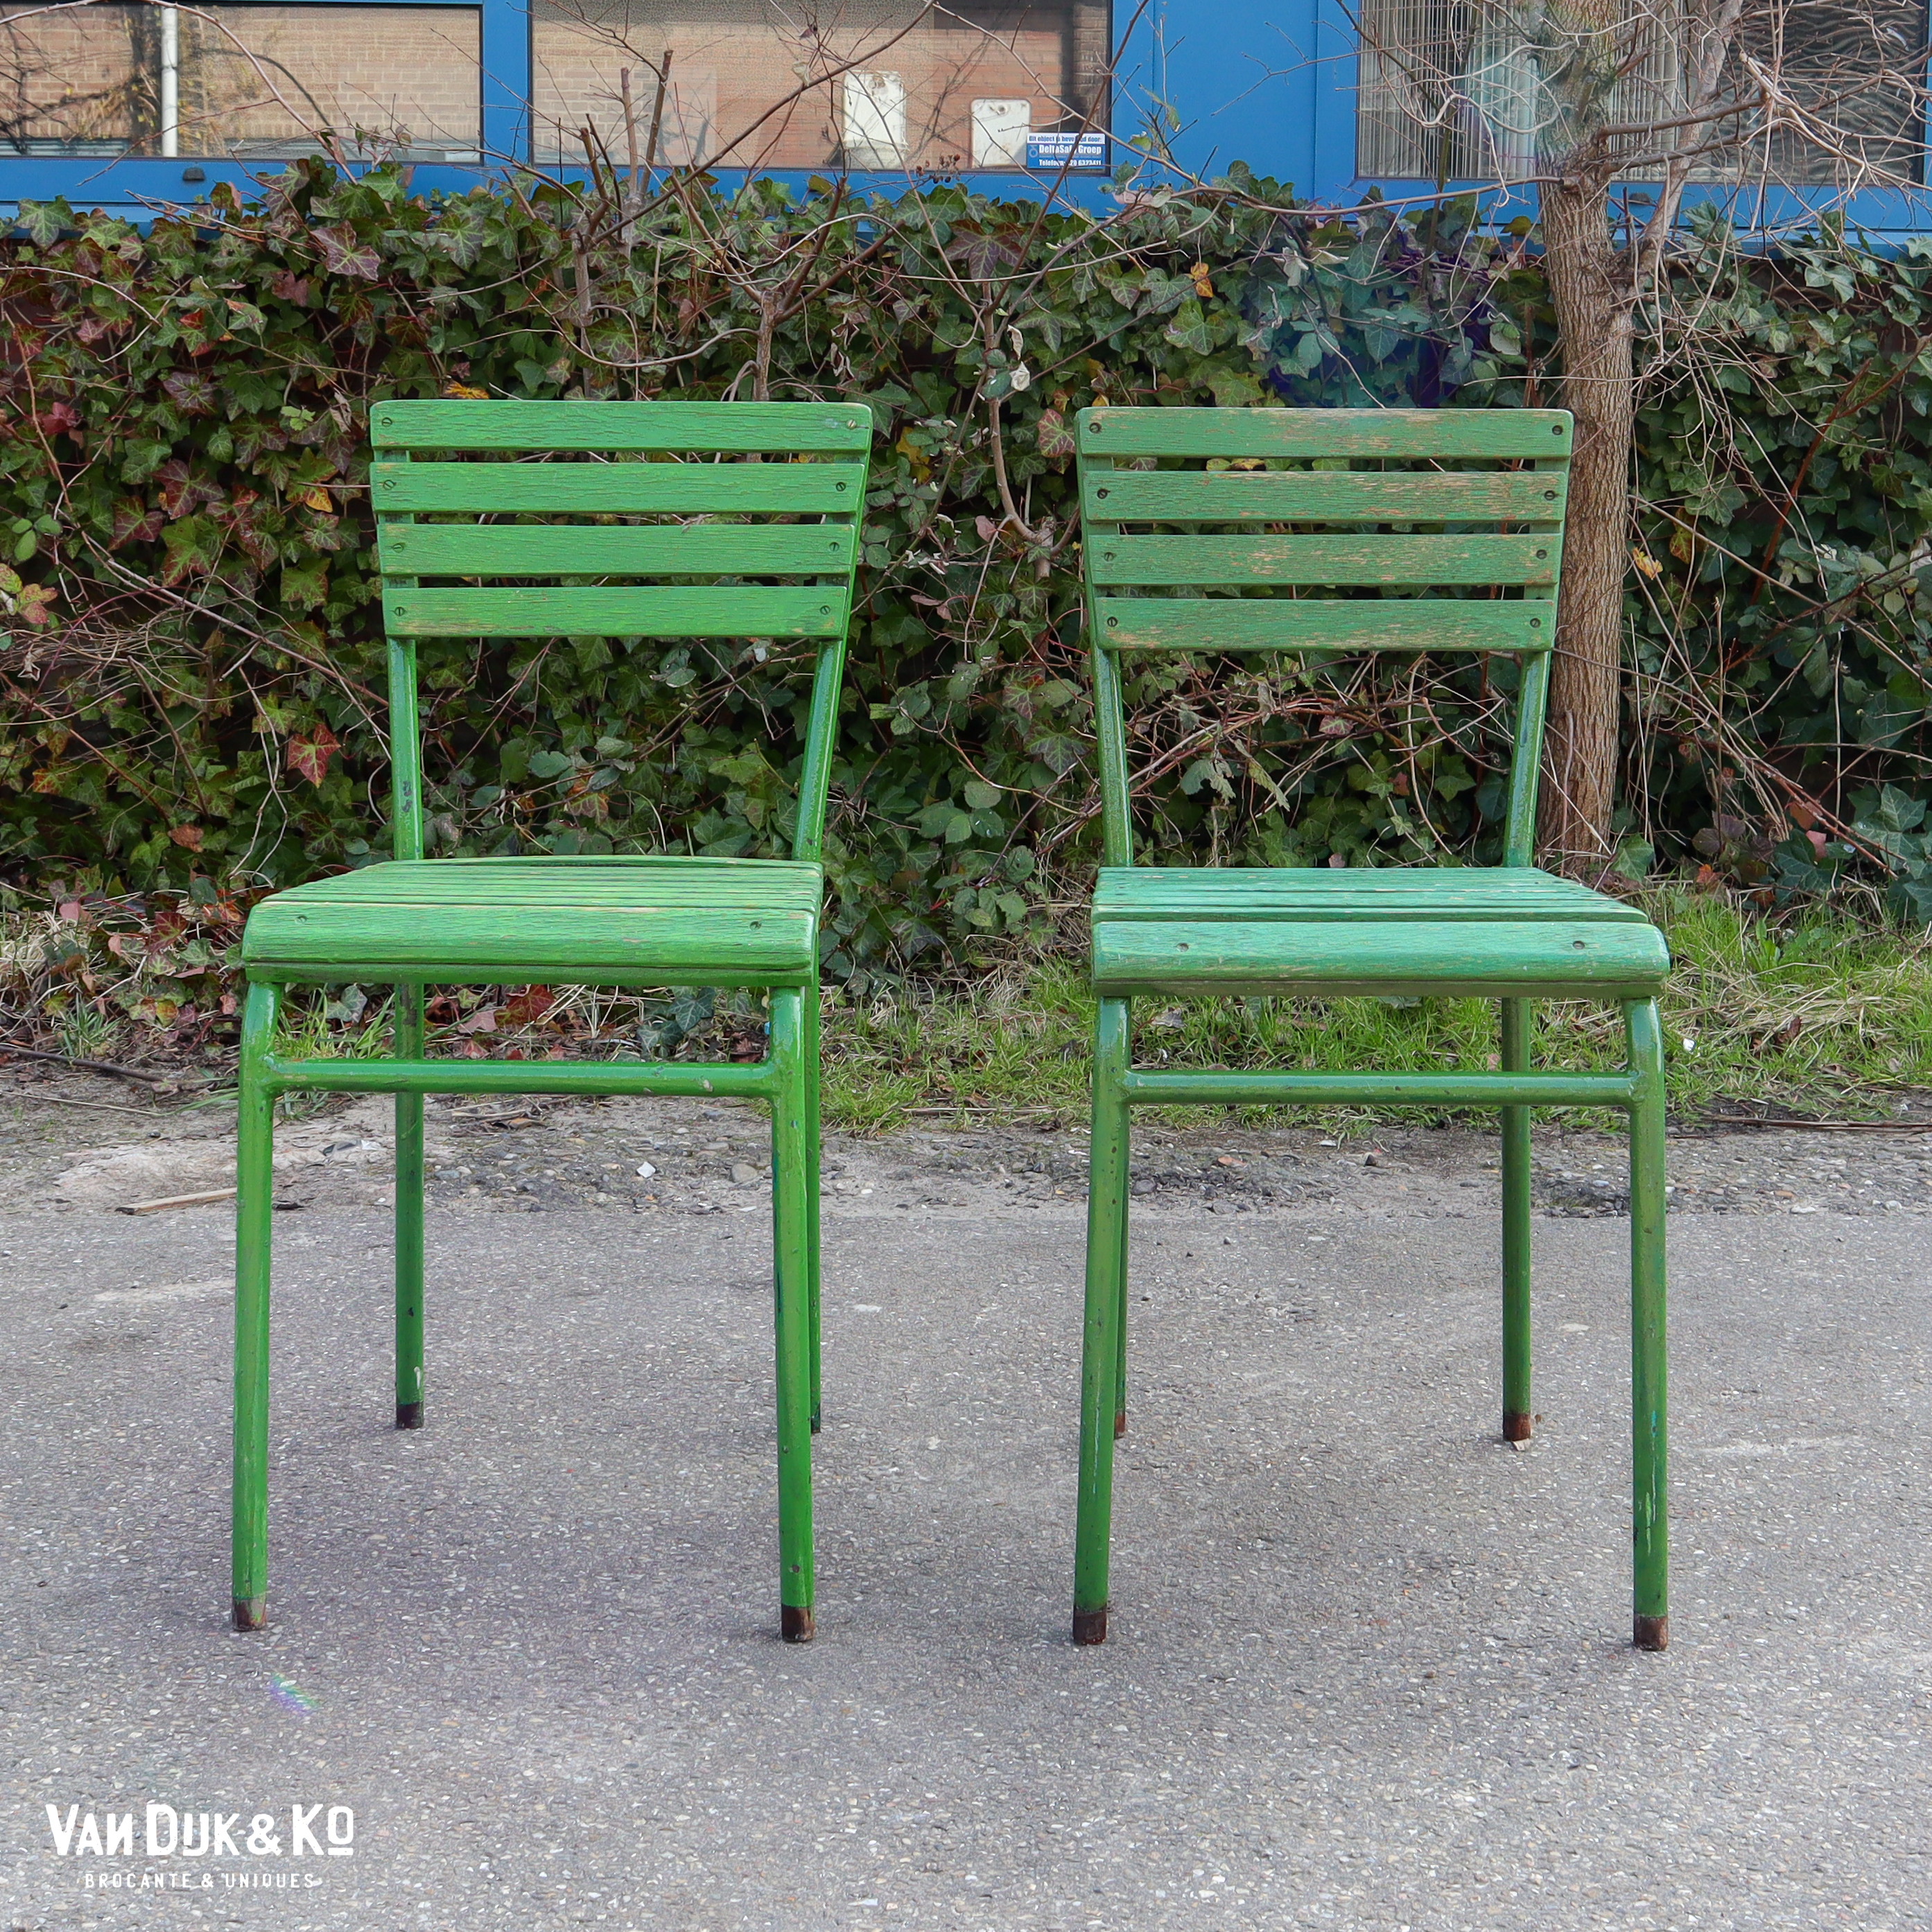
(1267,83)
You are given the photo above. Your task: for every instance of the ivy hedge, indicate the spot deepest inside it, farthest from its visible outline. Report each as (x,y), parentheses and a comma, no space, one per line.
(191,676)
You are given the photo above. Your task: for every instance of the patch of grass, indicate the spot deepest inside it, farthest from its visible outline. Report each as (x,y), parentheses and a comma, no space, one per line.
(1012,1044)
(1814,1010)
(85,1033)
(307,1030)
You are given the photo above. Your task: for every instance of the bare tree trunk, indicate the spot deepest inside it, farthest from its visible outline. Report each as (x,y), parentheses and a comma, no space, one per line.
(1588,279)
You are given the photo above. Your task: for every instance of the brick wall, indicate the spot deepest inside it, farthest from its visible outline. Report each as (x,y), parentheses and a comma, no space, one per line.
(386,69)
(74,77)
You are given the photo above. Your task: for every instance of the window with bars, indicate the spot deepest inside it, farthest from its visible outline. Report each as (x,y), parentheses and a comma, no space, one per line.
(1483,90)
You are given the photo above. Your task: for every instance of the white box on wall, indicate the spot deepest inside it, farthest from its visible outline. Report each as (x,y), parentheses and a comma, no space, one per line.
(875,121)
(1000,131)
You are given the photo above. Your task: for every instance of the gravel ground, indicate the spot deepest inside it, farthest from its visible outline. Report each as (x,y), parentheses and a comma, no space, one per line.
(69,1142)
(1368,1666)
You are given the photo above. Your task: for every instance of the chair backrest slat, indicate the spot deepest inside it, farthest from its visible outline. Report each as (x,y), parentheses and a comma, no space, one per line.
(691,428)
(1458,624)
(1185,551)
(614,612)
(1191,562)
(708,488)
(1528,497)
(582,550)
(535,464)
(1324,435)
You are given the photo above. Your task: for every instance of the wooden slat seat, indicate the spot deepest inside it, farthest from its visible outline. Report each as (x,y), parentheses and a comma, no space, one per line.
(603,921)
(1497,932)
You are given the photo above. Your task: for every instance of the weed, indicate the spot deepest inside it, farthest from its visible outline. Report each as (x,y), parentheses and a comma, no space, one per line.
(86,1030)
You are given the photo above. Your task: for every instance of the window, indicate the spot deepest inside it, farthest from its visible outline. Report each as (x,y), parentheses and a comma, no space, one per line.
(880,84)
(241,82)
(1471,90)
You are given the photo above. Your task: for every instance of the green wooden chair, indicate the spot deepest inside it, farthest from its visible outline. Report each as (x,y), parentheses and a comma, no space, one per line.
(1184,553)
(740,521)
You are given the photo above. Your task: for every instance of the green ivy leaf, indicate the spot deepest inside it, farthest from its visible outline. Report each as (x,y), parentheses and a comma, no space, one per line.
(304,587)
(1190,329)
(1051,435)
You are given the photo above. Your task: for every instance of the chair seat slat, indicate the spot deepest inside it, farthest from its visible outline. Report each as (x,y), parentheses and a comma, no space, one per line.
(1602,958)
(615,612)
(639,881)
(540,549)
(552,426)
(618,489)
(558,945)
(1255,894)
(1498,435)
(1323,624)
(751,923)
(1350,560)
(1323,496)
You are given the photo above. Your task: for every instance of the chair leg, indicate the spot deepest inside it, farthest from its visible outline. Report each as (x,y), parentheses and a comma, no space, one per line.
(1515,1059)
(254,1205)
(1649,1403)
(1100,1354)
(791,1247)
(810,1036)
(1120,1319)
(409,1218)
(1120,1326)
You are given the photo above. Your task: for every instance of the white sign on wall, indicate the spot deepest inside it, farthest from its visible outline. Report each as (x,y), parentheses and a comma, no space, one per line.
(1000,131)
(875,121)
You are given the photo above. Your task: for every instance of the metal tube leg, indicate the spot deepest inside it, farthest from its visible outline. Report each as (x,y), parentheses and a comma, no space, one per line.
(1121,1325)
(1650,1495)
(409,1218)
(1515,1059)
(811,1211)
(254,1206)
(1100,1354)
(792,1314)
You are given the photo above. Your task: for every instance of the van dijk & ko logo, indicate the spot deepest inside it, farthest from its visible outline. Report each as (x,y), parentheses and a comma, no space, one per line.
(261,1842)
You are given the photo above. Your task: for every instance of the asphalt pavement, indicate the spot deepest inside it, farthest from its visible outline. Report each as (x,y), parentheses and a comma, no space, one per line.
(1369,1666)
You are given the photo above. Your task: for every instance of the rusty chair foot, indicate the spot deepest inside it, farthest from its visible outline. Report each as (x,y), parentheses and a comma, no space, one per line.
(1091,1626)
(1517,1426)
(251,1613)
(409,1415)
(1120,1424)
(1652,1634)
(795,1624)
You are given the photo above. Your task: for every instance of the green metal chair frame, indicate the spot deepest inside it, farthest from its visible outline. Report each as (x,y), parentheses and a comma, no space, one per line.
(1399,501)
(764,548)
